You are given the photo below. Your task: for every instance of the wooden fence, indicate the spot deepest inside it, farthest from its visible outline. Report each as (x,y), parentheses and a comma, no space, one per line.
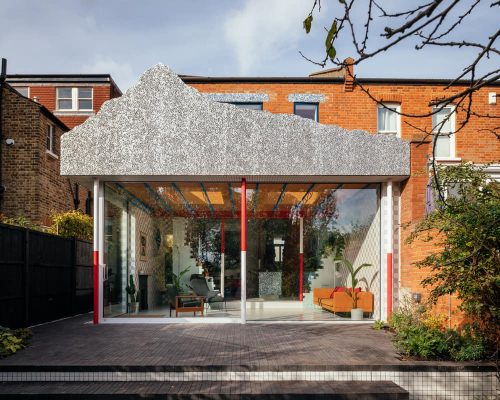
(43,277)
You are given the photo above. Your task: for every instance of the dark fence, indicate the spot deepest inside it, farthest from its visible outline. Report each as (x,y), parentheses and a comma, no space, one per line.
(43,277)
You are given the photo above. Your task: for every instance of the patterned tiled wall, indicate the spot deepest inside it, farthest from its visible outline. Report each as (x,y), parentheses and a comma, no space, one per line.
(420,385)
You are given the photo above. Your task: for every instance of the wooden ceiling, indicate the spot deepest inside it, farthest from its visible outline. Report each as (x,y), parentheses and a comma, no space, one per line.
(222,200)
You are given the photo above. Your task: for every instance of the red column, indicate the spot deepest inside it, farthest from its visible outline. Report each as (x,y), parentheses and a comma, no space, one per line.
(389,285)
(96,287)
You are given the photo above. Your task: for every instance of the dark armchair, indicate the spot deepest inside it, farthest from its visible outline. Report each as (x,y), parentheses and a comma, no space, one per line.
(200,287)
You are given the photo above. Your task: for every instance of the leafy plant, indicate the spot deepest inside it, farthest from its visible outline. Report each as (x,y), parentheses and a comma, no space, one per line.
(418,333)
(21,221)
(353,272)
(131,289)
(11,341)
(72,224)
(378,325)
(466,229)
(178,279)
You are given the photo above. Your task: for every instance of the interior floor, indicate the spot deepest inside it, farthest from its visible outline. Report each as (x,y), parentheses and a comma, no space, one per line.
(256,311)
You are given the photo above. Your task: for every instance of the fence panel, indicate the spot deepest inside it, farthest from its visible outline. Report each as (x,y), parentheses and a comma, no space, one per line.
(43,277)
(12,274)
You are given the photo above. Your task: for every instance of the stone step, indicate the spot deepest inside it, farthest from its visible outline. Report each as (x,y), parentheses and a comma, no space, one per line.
(206,390)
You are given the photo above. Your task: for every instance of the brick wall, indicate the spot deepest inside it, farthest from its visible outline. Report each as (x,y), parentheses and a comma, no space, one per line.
(34,187)
(355,110)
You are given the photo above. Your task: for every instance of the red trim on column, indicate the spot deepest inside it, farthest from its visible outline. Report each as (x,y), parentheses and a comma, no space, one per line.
(96,287)
(301,276)
(389,285)
(243,215)
(222,240)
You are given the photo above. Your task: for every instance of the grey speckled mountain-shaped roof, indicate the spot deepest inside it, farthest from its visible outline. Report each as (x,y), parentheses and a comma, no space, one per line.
(162,127)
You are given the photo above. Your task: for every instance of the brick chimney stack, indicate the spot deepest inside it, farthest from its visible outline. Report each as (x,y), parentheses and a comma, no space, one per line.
(349,75)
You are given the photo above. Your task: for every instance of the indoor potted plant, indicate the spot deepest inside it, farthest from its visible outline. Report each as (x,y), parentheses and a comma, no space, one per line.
(356,313)
(133,293)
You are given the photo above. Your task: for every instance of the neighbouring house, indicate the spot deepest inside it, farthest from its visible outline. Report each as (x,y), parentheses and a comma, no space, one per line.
(210,183)
(34,115)
(71,97)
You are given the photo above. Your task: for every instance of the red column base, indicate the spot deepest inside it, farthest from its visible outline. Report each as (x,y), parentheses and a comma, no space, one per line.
(389,285)
(96,287)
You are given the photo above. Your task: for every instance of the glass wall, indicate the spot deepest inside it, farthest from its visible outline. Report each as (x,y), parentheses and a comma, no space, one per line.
(183,238)
(159,237)
(340,229)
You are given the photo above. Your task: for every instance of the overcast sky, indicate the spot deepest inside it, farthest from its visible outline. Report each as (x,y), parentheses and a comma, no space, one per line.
(199,37)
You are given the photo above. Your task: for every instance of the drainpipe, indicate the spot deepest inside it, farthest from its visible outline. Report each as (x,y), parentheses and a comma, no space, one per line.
(3,75)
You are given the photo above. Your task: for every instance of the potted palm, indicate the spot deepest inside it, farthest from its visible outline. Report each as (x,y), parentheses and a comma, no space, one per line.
(356,313)
(133,293)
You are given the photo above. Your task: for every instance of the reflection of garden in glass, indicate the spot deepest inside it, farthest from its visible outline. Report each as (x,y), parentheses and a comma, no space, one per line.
(181,225)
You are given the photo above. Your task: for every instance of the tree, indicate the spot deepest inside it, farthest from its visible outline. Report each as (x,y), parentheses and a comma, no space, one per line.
(424,24)
(466,228)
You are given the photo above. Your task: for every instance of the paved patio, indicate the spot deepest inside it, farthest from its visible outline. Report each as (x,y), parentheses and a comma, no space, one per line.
(77,342)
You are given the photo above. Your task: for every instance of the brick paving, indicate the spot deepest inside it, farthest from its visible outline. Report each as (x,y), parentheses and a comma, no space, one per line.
(77,342)
(208,390)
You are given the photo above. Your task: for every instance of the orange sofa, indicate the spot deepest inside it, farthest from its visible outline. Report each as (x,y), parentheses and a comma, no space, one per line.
(340,301)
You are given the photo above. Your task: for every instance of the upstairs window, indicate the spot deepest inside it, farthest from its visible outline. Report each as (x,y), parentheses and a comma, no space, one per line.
(74,99)
(24,91)
(249,106)
(388,119)
(443,125)
(306,110)
(85,98)
(51,139)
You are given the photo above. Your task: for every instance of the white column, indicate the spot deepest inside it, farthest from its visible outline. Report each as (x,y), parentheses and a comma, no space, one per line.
(390,217)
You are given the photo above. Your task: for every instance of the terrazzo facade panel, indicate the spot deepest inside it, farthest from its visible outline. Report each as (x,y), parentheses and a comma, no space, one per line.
(163,127)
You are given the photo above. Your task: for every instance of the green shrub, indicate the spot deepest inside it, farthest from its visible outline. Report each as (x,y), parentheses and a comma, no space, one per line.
(21,221)
(12,341)
(72,224)
(418,333)
(378,325)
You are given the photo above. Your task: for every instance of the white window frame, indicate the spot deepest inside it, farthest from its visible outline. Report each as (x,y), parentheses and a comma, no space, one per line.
(74,99)
(51,132)
(453,154)
(385,106)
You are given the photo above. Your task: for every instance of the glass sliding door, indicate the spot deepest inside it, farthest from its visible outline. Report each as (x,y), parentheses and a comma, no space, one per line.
(169,244)
(339,221)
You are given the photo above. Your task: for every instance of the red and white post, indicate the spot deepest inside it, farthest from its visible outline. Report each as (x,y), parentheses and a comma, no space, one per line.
(243,272)
(96,251)
(389,246)
(301,259)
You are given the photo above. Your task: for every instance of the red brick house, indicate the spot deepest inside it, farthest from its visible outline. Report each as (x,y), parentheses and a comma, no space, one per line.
(201,169)
(71,97)
(333,99)
(35,111)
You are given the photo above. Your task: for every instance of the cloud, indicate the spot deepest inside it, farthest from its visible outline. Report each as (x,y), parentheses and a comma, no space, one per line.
(121,72)
(263,30)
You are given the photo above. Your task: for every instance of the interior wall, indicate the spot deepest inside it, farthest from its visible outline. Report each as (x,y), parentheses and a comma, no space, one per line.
(182,257)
